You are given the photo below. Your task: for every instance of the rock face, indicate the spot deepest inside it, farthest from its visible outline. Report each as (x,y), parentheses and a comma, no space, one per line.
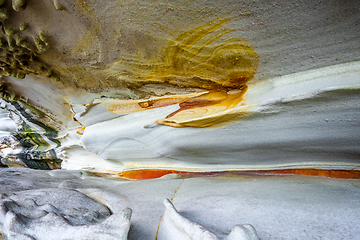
(141,89)
(201,86)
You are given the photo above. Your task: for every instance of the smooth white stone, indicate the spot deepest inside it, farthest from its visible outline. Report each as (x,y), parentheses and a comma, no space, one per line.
(173,226)
(278,207)
(78,158)
(243,232)
(54,213)
(127,137)
(7,126)
(307,119)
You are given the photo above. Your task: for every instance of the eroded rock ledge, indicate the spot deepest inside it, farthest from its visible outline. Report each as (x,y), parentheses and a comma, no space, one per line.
(216,97)
(95,85)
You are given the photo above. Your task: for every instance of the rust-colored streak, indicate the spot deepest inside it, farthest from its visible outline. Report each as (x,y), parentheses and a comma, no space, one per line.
(80,131)
(149,173)
(207,99)
(211,109)
(196,110)
(158,228)
(321,172)
(156,173)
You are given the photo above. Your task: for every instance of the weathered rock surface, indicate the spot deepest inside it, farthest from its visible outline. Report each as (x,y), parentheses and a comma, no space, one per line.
(115,87)
(278,207)
(252,85)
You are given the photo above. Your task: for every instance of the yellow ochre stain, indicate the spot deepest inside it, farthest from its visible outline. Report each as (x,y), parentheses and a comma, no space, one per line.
(205,57)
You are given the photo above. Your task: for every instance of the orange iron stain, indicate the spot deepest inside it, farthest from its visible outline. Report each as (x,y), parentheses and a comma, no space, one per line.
(156,173)
(80,131)
(167,101)
(333,173)
(129,106)
(149,173)
(213,109)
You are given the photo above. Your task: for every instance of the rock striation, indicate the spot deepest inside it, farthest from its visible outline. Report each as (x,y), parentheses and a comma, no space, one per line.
(201,87)
(187,89)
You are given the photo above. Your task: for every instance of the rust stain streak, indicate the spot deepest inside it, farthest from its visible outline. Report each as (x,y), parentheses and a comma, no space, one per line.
(80,131)
(176,191)
(156,173)
(158,228)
